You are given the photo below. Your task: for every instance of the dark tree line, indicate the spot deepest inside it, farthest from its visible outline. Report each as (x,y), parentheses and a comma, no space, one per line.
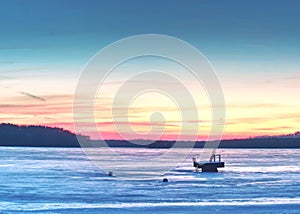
(14,135)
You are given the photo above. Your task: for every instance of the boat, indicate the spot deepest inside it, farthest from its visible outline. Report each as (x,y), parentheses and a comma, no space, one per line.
(210,166)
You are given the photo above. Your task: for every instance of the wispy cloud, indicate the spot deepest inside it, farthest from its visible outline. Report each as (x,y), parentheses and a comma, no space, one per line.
(7,62)
(32,96)
(5,77)
(256,105)
(277,128)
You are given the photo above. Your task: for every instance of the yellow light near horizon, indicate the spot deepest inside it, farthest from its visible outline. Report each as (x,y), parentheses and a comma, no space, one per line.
(157,110)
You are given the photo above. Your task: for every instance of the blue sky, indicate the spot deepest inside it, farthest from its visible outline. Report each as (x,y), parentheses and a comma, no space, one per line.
(223,30)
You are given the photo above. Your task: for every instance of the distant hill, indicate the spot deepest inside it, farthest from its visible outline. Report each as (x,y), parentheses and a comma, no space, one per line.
(42,136)
(14,135)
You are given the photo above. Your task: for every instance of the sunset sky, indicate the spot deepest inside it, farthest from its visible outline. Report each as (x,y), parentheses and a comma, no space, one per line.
(252,45)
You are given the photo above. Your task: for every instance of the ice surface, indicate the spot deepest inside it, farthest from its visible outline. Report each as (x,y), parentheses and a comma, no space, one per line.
(63,180)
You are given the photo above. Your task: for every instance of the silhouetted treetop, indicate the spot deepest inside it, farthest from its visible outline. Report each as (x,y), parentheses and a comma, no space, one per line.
(32,135)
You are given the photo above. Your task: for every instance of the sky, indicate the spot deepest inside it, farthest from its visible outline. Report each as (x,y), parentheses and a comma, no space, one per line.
(253,47)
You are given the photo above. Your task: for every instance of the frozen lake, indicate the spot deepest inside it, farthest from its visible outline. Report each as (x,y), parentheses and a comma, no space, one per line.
(63,180)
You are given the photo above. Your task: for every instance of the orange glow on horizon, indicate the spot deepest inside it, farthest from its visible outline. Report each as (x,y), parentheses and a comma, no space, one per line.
(251,110)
